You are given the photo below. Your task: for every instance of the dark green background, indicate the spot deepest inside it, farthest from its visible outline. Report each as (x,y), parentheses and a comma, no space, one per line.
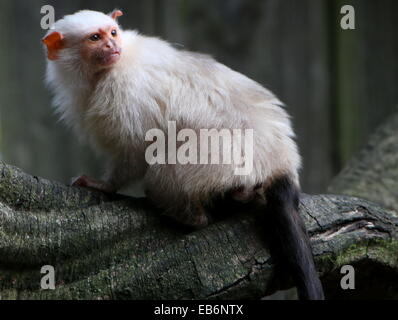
(338,85)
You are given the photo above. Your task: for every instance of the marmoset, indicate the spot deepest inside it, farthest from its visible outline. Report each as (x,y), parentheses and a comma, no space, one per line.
(115,87)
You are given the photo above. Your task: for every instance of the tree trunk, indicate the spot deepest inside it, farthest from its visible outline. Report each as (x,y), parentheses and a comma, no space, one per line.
(373,173)
(117,247)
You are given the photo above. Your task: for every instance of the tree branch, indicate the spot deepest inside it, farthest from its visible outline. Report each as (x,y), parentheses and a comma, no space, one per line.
(118,248)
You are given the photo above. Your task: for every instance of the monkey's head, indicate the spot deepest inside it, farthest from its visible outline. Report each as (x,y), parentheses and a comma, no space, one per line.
(88,37)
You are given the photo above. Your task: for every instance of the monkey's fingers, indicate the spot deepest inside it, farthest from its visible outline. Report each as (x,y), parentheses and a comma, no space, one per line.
(82,181)
(86,182)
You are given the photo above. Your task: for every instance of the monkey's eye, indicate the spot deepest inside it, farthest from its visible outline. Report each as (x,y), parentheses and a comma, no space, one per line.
(114,33)
(95,37)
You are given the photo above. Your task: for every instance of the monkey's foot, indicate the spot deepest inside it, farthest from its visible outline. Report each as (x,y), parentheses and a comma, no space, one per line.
(243,195)
(200,221)
(198,218)
(246,195)
(86,182)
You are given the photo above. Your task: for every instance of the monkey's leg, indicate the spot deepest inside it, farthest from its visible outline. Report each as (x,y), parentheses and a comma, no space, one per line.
(120,172)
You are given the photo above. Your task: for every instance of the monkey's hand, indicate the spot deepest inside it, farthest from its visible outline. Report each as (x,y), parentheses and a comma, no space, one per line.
(86,182)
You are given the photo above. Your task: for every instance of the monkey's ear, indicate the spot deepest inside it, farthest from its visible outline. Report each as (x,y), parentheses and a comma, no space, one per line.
(54,42)
(116,14)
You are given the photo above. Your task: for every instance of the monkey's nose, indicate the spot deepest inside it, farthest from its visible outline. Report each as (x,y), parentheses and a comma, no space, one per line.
(109,44)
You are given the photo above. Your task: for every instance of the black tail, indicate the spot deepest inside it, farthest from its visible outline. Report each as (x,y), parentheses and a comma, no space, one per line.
(289,239)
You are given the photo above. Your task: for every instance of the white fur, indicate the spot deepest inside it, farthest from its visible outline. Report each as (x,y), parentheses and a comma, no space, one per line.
(82,22)
(153,83)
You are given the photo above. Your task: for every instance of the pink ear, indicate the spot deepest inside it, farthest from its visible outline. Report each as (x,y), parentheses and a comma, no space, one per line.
(54,42)
(116,14)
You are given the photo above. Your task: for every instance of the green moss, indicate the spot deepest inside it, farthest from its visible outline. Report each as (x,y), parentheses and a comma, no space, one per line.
(351,254)
(385,251)
(381,250)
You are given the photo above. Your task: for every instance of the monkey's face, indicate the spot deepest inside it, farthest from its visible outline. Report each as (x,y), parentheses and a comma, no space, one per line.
(102,48)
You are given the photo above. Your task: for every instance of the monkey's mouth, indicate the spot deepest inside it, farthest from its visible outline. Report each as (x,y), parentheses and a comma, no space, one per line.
(115,53)
(110,58)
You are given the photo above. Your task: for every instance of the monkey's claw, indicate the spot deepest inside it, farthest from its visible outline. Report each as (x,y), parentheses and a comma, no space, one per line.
(82,181)
(86,182)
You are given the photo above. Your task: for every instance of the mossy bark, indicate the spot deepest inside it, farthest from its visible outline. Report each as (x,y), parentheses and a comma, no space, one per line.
(119,248)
